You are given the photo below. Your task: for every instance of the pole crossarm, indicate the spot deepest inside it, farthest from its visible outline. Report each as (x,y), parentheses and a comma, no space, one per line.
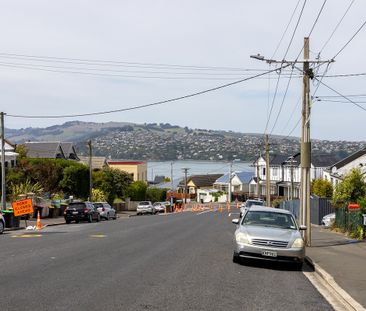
(291,62)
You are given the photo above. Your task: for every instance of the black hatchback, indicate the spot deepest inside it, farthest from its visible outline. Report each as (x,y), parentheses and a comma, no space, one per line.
(81,211)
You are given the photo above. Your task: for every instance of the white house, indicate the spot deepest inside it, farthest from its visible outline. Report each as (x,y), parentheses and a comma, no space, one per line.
(285,172)
(336,171)
(10,154)
(239,182)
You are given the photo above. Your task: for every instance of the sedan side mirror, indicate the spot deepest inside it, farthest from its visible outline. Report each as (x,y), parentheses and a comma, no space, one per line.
(302,227)
(235,221)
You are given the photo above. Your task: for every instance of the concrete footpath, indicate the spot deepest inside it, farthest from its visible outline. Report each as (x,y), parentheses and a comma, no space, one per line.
(340,260)
(57,221)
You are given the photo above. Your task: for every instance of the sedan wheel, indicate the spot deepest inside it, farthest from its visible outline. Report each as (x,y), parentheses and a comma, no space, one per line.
(107,218)
(1,227)
(90,218)
(98,218)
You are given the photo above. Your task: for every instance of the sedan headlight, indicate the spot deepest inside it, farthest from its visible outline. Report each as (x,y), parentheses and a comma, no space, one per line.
(298,243)
(242,238)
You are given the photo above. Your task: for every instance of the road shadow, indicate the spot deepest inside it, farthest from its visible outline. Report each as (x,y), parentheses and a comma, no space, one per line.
(274,265)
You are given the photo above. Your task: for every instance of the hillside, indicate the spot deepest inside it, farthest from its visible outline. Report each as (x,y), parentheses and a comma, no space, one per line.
(122,140)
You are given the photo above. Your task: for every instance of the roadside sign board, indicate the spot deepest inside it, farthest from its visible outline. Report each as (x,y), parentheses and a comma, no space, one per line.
(22,207)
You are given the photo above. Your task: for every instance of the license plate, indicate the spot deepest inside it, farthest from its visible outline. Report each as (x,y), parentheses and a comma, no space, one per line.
(74,213)
(269,253)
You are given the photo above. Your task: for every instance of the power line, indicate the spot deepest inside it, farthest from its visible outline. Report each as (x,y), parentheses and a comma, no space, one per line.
(349,41)
(142,106)
(345,97)
(343,75)
(336,27)
(98,62)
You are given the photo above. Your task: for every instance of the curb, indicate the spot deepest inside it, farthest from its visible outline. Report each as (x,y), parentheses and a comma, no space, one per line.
(334,287)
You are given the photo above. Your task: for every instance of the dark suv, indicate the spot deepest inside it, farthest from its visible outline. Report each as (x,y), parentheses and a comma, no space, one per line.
(79,211)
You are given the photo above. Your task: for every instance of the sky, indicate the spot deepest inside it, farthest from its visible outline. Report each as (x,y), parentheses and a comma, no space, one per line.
(119,54)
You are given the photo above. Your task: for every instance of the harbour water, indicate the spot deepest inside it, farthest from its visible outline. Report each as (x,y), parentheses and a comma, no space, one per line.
(195,167)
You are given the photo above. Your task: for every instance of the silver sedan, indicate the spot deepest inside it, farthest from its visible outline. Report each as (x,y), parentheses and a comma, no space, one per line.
(269,234)
(105,210)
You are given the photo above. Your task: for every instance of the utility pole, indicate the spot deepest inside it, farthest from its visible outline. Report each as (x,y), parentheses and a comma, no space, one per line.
(305,133)
(229,188)
(90,172)
(185,170)
(172,184)
(306,147)
(3,186)
(258,179)
(268,182)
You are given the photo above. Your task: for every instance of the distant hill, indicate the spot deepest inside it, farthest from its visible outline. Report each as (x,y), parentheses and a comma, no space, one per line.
(163,141)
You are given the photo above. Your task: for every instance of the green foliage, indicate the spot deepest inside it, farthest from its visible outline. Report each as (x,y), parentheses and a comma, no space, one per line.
(276,203)
(75,181)
(137,191)
(322,188)
(113,182)
(351,188)
(358,233)
(98,195)
(216,195)
(156,194)
(24,189)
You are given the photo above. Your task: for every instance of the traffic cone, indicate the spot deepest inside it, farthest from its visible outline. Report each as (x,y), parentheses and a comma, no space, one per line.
(39,225)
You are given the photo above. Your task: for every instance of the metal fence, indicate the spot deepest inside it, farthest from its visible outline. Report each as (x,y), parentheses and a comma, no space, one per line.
(319,207)
(348,220)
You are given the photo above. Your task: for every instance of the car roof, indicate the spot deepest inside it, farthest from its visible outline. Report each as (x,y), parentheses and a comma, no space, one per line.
(257,208)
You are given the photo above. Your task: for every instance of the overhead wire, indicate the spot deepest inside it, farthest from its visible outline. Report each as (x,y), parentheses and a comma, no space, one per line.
(142,106)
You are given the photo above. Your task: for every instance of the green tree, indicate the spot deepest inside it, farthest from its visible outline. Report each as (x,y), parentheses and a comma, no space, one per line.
(322,188)
(113,182)
(351,188)
(98,195)
(75,181)
(156,194)
(137,191)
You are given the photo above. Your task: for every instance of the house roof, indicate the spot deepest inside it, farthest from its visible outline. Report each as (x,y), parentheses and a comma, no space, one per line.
(324,160)
(244,177)
(69,150)
(97,162)
(277,159)
(350,158)
(204,180)
(51,150)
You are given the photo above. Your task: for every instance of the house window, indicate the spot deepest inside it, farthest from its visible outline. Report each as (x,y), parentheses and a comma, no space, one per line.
(264,171)
(275,171)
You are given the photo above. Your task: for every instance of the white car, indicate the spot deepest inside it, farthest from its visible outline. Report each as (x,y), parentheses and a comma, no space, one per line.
(145,207)
(105,210)
(2,223)
(328,220)
(159,207)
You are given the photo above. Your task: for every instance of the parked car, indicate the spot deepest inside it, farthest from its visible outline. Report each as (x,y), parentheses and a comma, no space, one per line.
(79,211)
(248,203)
(159,207)
(105,210)
(145,207)
(269,234)
(328,220)
(2,223)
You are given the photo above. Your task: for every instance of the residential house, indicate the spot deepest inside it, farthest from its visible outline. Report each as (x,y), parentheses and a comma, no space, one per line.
(195,182)
(239,182)
(51,150)
(137,169)
(10,154)
(335,172)
(285,173)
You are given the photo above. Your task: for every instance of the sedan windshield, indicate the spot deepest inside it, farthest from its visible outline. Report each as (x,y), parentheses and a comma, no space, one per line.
(144,203)
(269,219)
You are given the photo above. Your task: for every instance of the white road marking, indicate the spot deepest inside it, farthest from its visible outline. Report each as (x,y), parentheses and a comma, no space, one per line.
(204,212)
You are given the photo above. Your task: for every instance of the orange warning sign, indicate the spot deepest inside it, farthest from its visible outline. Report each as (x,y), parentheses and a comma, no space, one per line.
(22,207)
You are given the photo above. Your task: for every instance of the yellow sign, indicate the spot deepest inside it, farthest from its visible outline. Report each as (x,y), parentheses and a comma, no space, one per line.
(22,207)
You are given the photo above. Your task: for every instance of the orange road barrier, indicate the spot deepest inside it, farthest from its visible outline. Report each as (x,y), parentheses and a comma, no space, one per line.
(165,210)
(211,208)
(39,225)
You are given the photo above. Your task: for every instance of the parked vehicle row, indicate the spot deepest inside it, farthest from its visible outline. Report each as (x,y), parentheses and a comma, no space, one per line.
(88,211)
(146,207)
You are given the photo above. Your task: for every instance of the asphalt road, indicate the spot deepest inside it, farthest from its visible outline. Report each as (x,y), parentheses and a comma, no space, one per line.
(174,262)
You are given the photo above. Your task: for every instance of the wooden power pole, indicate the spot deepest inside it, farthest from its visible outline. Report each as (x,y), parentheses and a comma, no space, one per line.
(268,182)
